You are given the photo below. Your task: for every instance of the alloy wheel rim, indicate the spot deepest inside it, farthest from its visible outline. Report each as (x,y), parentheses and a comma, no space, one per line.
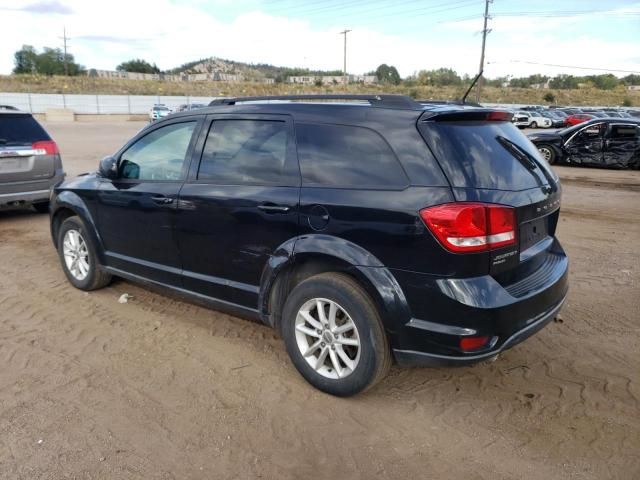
(546,153)
(327,338)
(76,254)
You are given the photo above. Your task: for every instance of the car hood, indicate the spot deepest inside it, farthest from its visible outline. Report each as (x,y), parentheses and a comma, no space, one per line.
(543,136)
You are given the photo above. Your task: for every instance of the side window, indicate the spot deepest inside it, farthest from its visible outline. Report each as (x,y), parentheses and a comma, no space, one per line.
(254,152)
(592,132)
(623,132)
(346,156)
(158,155)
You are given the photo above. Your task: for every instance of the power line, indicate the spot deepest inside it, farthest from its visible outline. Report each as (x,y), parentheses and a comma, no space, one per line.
(570,66)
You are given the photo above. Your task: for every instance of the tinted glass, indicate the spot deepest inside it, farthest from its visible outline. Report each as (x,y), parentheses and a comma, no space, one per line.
(472,156)
(159,155)
(345,156)
(239,152)
(20,129)
(624,131)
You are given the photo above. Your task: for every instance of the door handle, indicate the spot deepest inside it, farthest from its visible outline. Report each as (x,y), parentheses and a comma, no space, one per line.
(162,200)
(274,208)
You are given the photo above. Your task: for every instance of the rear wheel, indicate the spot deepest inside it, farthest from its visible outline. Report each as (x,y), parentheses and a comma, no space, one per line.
(78,256)
(334,335)
(547,153)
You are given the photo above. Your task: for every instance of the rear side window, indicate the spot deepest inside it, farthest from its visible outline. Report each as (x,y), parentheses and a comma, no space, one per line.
(346,156)
(246,152)
(472,156)
(20,130)
(624,131)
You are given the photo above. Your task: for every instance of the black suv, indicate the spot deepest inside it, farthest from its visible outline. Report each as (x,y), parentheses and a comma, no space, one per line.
(30,163)
(363,228)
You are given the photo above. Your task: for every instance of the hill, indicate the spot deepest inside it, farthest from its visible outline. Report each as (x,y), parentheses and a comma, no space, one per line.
(89,85)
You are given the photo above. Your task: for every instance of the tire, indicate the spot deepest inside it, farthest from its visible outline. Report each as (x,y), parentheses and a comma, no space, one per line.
(94,277)
(548,153)
(41,207)
(534,125)
(370,360)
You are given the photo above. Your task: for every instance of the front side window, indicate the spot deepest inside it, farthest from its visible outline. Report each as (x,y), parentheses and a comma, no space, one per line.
(246,152)
(158,155)
(347,156)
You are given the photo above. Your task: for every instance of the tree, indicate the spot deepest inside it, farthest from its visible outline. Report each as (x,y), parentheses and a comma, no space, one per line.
(607,81)
(50,62)
(549,97)
(564,82)
(387,74)
(138,65)
(631,79)
(627,102)
(25,60)
(439,77)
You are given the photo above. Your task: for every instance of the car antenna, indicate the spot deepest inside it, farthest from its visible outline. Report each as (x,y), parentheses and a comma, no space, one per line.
(473,84)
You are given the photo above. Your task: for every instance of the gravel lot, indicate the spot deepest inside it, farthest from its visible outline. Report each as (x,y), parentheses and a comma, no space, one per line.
(162,389)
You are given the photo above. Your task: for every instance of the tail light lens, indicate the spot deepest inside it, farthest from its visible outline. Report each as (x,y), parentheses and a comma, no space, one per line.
(48,147)
(471,227)
(468,344)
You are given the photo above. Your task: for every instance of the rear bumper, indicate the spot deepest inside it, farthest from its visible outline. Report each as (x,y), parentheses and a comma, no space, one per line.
(411,358)
(445,310)
(16,195)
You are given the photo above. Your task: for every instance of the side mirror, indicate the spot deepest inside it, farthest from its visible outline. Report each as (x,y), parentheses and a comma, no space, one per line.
(108,168)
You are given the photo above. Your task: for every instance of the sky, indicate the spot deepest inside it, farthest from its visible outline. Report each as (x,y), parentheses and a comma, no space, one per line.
(580,36)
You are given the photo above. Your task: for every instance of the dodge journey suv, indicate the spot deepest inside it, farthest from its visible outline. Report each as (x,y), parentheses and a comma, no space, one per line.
(365,229)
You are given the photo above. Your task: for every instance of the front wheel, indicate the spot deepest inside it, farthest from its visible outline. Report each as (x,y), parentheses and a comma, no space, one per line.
(548,153)
(334,335)
(534,125)
(78,256)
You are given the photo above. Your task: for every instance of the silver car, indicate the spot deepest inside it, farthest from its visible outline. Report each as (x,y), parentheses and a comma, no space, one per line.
(30,163)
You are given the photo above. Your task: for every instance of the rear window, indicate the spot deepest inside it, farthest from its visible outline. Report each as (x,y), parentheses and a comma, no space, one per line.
(472,157)
(347,156)
(20,129)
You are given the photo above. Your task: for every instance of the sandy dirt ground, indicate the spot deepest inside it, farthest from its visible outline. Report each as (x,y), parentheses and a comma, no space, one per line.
(158,388)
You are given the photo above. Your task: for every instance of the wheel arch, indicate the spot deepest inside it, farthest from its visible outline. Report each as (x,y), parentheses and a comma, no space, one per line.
(68,204)
(310,255)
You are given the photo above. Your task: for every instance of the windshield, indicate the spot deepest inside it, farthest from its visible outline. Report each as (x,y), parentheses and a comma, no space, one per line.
(163,109)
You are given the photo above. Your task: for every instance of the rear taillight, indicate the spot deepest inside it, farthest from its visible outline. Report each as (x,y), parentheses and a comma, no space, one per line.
(48,147)
(471,227)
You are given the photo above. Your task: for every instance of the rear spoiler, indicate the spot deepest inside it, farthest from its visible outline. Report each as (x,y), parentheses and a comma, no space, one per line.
(466,115)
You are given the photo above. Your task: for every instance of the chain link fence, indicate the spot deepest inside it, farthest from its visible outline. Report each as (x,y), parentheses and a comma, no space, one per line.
(95,104)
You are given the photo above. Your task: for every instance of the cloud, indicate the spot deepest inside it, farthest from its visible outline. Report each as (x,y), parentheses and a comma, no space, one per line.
(104,34)
(45,7)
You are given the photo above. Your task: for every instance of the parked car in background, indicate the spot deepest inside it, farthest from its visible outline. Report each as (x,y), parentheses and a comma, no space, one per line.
(577,118)
(521,119)
(365,231)
(190,106)
(600,142)
(158,111)
(556,120)
(30,163)
(530,119)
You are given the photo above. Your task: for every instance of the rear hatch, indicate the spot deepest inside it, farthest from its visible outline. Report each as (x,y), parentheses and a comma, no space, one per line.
(488,160)
(26,150)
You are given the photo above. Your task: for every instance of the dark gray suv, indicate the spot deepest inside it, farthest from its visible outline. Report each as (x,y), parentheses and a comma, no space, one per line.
(30,163)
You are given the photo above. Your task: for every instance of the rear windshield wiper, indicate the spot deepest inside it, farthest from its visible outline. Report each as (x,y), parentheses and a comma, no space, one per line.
(528,161)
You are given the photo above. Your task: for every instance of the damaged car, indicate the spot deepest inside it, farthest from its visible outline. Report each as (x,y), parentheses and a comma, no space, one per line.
(601,142)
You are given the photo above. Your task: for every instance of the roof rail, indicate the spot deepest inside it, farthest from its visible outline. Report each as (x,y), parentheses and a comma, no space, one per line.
(382,101)
(448,102)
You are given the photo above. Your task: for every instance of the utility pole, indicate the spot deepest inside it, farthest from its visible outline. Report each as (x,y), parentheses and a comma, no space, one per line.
(64,38)
(485,31)
(344,70)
